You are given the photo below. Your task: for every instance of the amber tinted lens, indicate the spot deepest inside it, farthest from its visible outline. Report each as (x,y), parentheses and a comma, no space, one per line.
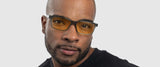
(85,27)
(60,23)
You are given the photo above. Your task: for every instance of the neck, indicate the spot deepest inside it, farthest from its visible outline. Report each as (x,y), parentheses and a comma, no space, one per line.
(78,63)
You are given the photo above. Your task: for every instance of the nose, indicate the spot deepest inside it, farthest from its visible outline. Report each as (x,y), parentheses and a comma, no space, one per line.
(71,35)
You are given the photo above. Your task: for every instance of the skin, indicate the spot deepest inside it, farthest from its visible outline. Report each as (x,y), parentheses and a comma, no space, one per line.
(74,10)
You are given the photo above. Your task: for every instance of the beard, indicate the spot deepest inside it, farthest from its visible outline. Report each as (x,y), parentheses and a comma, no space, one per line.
(61,59)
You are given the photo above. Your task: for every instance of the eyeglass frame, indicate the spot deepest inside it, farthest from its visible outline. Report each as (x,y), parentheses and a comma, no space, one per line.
(72,22)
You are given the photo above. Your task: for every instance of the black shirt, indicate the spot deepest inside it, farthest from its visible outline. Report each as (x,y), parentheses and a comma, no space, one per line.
(98,59)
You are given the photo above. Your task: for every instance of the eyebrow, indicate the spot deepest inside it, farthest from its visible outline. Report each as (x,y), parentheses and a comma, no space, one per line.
(70,19)
(50,16)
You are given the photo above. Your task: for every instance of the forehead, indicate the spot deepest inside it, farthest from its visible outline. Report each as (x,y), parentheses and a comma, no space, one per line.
(73,9)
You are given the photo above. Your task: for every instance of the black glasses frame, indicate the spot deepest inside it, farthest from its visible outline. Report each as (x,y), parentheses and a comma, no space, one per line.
(72,22)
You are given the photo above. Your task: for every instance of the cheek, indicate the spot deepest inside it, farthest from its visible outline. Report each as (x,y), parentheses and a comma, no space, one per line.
(85,42)
(53,36)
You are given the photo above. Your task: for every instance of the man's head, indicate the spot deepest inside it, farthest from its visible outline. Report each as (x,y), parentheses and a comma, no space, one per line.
(71,45)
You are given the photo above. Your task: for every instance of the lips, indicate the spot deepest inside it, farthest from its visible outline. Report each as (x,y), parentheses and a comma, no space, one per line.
(69,51)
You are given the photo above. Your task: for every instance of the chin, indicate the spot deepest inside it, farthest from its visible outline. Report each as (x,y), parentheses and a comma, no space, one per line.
(66,60)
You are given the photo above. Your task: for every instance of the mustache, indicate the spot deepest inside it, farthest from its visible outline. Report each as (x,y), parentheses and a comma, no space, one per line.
(68,46)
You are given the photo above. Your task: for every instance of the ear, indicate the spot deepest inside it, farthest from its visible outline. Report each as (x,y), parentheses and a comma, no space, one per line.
(44,22)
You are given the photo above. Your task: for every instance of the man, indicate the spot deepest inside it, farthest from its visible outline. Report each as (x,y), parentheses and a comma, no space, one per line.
(68,29)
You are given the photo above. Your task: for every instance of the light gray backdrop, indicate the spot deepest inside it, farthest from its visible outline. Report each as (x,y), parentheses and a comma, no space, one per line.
(129,29)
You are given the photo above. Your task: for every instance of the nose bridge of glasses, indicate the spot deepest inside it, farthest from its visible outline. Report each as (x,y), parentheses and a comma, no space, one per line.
(73,23)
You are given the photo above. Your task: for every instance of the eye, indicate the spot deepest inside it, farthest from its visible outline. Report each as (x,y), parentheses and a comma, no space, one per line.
(85,26)
(58,22)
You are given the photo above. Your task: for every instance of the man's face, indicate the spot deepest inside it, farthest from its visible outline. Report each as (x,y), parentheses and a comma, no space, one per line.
(68,47)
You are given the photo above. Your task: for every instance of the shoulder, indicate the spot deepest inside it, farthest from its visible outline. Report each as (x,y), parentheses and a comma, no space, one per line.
(104,58)
(46,63)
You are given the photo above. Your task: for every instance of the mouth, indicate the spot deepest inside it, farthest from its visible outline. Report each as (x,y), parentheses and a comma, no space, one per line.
(68,51)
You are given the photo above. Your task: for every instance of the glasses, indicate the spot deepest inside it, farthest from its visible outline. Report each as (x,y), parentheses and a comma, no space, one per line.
(82,26)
